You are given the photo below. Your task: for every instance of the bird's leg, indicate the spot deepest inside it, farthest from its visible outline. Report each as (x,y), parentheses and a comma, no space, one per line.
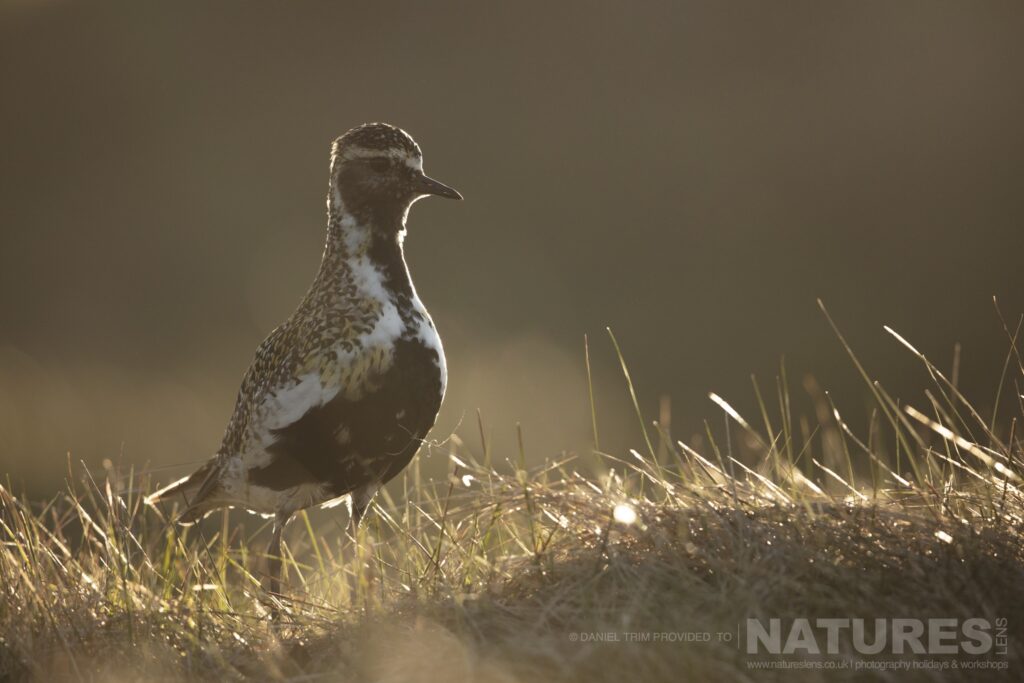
(354,518)
(358,503)
(274,554)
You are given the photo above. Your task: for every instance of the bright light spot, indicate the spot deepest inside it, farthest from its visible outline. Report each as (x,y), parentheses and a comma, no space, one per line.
(467,479)
(943,536)
(624,514)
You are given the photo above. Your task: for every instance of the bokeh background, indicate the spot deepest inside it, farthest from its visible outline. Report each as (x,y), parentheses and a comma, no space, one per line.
(694,175)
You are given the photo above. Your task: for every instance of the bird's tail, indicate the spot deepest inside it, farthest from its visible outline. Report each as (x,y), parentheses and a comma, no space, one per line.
(195,491)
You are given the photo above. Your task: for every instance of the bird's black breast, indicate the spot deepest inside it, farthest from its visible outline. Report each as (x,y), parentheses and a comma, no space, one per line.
(347,443)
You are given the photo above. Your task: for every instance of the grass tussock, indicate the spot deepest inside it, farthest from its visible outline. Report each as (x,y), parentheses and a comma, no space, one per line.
(508,573)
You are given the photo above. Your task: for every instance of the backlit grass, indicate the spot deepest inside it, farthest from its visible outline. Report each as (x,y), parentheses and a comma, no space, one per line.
(506,573)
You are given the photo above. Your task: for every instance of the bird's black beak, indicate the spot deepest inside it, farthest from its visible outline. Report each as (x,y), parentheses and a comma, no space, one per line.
(427,185)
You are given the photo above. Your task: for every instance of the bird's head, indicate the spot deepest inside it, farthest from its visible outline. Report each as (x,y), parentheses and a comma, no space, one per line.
(378,168)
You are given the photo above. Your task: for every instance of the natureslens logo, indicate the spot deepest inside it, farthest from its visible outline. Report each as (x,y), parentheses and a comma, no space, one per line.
(896,636)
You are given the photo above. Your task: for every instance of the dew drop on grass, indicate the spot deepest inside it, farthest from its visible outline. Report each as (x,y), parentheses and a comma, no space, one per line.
(624,514)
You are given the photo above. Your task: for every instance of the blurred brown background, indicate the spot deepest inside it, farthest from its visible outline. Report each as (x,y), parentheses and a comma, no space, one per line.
(694,175)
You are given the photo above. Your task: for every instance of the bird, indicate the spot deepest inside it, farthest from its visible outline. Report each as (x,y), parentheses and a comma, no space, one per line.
(338,398)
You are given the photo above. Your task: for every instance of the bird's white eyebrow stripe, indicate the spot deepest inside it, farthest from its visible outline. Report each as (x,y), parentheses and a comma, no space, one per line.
(413,161)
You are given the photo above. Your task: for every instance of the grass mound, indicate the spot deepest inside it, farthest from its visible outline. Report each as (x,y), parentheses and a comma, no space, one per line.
(641,567)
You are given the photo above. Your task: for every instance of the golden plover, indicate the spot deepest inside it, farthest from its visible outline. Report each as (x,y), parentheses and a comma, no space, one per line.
(340,396)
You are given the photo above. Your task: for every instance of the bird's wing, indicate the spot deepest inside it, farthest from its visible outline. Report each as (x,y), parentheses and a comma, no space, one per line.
(266,375)
(201,490)
(294,404)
